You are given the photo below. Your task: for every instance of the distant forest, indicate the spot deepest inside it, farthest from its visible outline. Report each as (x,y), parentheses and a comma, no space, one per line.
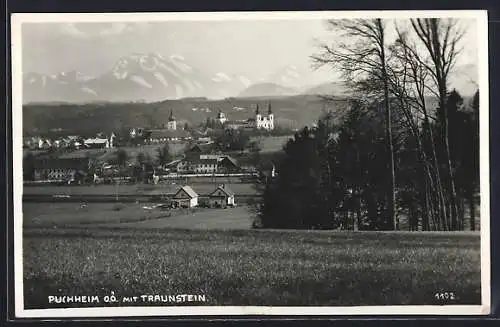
(48,118)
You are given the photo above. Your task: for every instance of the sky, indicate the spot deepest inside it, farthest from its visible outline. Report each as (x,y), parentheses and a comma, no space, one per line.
(250,47)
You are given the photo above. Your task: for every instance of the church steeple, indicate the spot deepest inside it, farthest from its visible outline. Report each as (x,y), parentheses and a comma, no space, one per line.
(257,110)
(269,111)
(171,124)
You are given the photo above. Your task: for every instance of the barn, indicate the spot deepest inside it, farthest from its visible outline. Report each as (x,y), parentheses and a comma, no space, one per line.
(185,197)
(221,197)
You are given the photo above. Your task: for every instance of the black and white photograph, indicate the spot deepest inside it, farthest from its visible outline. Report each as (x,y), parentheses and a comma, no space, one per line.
(251,163)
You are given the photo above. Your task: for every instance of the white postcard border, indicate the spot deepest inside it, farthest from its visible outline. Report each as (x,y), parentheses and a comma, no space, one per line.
(16,46)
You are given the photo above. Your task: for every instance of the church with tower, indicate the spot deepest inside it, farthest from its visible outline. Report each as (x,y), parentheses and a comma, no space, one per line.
(171,124)
(262,121)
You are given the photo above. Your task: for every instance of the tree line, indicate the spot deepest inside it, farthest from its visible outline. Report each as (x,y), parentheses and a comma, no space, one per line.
(394,157)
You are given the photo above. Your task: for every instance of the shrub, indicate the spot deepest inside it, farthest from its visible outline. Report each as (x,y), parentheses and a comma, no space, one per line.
(118,207)
(204,204)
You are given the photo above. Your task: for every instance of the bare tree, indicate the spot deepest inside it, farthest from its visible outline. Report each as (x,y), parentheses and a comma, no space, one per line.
(362,59)
(441,38)
(409,81)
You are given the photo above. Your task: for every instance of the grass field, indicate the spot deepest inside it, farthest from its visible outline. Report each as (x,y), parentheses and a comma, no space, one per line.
(252,267)
(151,150)
(132,215)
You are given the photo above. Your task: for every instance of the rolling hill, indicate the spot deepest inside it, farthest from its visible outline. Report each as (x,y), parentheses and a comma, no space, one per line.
(290,112)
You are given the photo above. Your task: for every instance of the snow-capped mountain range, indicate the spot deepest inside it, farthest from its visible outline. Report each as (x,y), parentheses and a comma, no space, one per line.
(142,77)
(154,77)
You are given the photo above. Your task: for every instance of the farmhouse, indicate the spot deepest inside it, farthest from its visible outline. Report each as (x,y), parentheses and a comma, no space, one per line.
(201,148)
(197,165)
(228,165)
(60,169)
(207,164)
(185,197)
(97,143)
(221,197)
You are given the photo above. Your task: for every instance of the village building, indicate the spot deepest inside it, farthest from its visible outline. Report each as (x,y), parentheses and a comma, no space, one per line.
(185,197)
(227,165)
(239,124)
(57,143)
(221,197)
(155,136)
(96,143)
(77,144)
(28,142)
(202,148)
(208,164)
(215,156)
(221,117)
(205,159)
(197,166)
(136,132)
(44,144)
(111,139)
(205,139)
(49,168)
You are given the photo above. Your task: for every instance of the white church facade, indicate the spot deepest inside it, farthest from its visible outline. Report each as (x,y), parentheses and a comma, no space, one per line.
(262,122)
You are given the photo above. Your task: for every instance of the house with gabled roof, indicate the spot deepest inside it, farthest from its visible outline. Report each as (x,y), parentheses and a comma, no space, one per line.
(221,197)
(227,164)
(96,143)
(185,197)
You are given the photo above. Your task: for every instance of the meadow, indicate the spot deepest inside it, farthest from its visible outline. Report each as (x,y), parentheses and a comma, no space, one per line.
(252,267)
(151,150)
(133,215)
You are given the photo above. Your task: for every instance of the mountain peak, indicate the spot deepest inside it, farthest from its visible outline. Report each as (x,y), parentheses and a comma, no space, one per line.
(267,89)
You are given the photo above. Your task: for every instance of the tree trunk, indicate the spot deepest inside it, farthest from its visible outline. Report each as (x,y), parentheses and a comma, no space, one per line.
(439,186)
(442,87)
(391,192)
(453,219)
(428,207)
(358,215)
(425,204)
(472,212)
